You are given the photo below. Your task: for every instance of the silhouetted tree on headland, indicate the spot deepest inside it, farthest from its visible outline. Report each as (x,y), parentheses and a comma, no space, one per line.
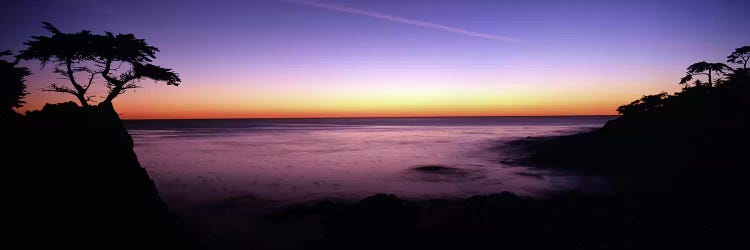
(740,56)
(12,86)
(655,102)
(97,55)
(686,144)
(707,69)
(645,104)
(74,178)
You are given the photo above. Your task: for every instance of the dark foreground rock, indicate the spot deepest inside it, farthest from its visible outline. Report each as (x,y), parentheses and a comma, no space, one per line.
(507,221)
(75,182)
(692,142)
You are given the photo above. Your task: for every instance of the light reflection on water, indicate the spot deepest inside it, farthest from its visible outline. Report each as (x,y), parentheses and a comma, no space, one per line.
(298,162)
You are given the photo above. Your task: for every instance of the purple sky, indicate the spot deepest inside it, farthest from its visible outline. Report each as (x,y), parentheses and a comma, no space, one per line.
(390,57)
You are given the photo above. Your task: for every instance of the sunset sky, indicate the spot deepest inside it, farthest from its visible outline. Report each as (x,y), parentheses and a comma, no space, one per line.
(334,58)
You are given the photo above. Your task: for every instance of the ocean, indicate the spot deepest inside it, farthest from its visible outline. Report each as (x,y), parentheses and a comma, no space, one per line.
(297,160)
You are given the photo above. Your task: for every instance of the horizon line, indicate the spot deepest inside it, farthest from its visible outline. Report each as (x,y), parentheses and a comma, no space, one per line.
(360,117)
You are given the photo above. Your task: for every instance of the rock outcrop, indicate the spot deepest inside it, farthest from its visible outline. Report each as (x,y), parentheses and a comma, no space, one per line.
(75,182)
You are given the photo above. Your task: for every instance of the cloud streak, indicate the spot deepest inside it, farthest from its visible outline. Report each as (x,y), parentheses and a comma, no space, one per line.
(403,20)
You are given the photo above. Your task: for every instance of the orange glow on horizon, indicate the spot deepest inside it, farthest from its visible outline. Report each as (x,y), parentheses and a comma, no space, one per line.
(376,93)
(221,114)
(194,104)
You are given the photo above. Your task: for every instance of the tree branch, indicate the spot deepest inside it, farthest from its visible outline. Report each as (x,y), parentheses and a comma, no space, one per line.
(105,72)
(92,75)
(68,65)
(114,85)
(61,89)
(78,91)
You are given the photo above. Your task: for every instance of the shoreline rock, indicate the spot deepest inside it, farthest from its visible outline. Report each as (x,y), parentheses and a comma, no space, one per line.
(78,184)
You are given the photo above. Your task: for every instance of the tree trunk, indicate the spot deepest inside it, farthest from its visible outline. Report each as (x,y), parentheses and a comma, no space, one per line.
(709,78)
(83,101)
(114,92)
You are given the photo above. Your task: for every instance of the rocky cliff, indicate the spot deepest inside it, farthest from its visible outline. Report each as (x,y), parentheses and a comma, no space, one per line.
(75,182)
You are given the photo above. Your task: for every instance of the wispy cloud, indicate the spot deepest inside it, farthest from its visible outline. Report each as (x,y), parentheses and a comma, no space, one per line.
(403,20)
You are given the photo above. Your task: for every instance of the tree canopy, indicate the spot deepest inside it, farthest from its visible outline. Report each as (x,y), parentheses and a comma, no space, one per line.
(645,104)
(12,83)
(707,69)
(740,56)
(97,55)
(652,103)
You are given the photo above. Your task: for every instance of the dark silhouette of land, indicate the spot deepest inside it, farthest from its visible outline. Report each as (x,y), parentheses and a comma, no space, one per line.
(12,87)
(75,182)
(690,141)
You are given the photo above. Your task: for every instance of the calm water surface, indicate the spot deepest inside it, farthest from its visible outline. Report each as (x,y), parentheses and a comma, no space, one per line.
(293,160)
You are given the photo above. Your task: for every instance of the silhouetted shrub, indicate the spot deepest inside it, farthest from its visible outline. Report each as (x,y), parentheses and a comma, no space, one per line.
(12,86)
